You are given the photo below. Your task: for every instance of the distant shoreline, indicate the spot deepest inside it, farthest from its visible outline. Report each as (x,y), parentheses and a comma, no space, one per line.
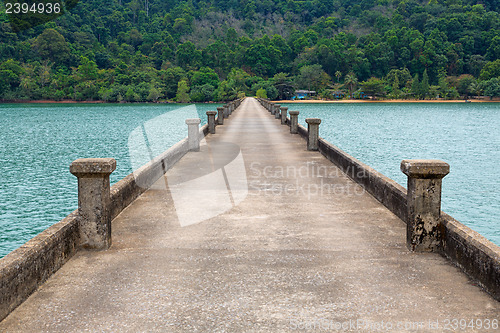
(69,101)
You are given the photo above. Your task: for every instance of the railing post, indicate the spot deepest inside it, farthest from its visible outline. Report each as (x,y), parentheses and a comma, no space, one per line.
(94,200)
(423,231)
(277,112)
(313,130)
(283,115)
(211,121)
(220,116)
(272,109)
(194,133)
(294,122)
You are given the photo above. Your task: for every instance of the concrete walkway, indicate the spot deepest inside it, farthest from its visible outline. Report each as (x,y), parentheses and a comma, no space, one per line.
(292,244)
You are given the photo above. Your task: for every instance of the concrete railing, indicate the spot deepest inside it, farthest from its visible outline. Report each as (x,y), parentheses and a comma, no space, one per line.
(23,270)
(428,228)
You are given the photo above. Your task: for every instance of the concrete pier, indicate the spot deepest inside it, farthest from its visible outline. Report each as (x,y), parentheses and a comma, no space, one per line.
(291,242)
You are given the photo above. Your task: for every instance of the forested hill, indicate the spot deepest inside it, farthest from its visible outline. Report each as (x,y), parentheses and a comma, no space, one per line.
(150,50)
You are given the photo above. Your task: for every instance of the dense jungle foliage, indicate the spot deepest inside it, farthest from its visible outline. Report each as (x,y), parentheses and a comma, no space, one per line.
(215,50)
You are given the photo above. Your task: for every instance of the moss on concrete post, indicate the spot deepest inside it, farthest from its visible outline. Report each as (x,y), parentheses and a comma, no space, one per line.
(424,230)
(94,200)
(313,133)
(294,122)
(220,116)
(211,121)
(283,115)
(193,133)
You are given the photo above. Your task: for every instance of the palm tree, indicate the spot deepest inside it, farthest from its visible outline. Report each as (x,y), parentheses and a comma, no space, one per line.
(338,75)
(351,81)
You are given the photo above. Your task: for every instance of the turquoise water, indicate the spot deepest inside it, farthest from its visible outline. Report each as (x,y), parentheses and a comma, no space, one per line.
(39,141)
(467,136)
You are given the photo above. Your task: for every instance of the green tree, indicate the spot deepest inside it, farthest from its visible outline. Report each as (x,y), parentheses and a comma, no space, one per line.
(188,56)
(424,85)
(169,78)
(10,75)
(338,75)
(182,92)
(313,77)
(284,87)
(261,93)
(218,56)
(466,85)
(373,87)
(351,81)
(202,93)
(416,88)
(154,95)
(131,95)
(205,75)
(493,52)
(87,70)
(492,88)
(490,70)
(52,45)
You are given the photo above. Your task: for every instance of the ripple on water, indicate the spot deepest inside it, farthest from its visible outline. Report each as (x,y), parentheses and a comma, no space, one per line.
(40,141)
(464,135)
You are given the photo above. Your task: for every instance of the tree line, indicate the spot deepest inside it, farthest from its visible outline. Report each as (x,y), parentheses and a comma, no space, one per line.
(200,51)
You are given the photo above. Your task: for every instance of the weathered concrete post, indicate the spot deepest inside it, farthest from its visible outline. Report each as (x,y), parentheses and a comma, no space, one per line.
(272,109)
(294,122)
(211,121)
(193,133)
(313,130)
(94,200)
(220,116)
(423,231)
(283,115)
(277,112)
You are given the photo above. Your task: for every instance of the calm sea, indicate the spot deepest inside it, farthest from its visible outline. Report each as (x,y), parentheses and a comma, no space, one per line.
(39,141)
(465,135)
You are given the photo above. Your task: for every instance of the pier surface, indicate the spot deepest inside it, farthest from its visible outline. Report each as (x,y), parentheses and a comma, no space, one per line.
(298,246)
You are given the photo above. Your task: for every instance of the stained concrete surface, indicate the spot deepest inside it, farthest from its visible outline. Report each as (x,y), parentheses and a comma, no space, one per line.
(296,246)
